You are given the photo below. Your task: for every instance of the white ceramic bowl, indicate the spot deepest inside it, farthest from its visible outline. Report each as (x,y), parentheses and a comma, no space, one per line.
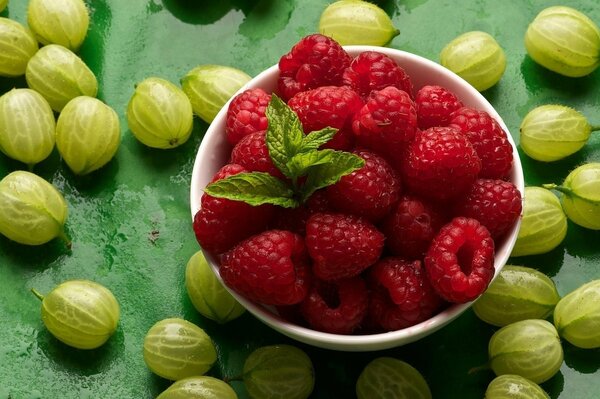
(214,153)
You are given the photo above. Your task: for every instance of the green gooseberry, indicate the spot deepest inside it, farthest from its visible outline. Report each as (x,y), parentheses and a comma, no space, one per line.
(87,134)
(59,75)
(81,313)
(203,387)
(27,126)
(209,87)
(529,348)
(476,57)
(176,349)
(357,22)
(32,211)
(389,378)
(159,114)
(517,293)
(565,41)
(206,292)
(17,47)
(544,224)
(278,372)
(63,22)
(577,316)
(511,386)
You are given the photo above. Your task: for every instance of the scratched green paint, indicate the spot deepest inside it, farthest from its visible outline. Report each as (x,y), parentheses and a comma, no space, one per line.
(130,221)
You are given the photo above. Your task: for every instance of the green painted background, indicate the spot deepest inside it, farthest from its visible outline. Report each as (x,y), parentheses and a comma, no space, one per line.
(130,221)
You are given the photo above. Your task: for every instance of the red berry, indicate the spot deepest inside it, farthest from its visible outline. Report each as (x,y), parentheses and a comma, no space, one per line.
(253,154)
(496,204)
(328,106)
(341,246)
(386,122)
(488,139)
(370,191)
(411,226)
(246,114)
(336,307)
(372,70)
(401,295)
(460,260)
(270,268)
(440,164)
(221,223)
(294,219)
(435,105)
(314,61)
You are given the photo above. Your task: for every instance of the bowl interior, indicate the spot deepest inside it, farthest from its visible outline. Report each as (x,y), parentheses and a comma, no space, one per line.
(214,153)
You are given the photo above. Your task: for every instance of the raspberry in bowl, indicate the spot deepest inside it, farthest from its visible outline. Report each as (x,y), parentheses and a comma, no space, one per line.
(399,245)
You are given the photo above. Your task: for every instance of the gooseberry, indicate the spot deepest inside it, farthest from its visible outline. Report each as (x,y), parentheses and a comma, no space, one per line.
(87,134)
(59,75)
(543,225)
(577,316)
(17,46)
(564,40)
(81,313)
(32,211)
(386,377)
(209,87)
(203,387)
(63,22)
(278,372)
(3,4)
(176,349)
(476,57)
(511,386)
(529,348)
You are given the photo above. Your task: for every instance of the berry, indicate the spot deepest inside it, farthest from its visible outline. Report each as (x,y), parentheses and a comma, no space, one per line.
(386,122)
(371,71)
(336,307)
(440,164)
(294,219)
(435,105)
(246,114)
(401,295)
(341,246)
(496,204)
(370,191)
(328,106)
(314,61)
(411,226)
(460,260)
(270,267)
(221,223)
(488,139)
(253,154)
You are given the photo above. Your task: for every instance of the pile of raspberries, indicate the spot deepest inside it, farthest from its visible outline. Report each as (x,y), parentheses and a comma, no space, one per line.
(389,245)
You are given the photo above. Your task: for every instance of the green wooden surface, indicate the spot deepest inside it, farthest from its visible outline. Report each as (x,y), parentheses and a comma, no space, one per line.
(130,221)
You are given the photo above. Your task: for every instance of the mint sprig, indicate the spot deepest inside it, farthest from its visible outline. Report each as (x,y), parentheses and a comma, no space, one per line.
(295,155)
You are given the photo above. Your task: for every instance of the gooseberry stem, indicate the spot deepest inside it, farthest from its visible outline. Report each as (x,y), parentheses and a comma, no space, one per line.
(63,236)
(37,294)
(235,378)
(485,366)
(561,189)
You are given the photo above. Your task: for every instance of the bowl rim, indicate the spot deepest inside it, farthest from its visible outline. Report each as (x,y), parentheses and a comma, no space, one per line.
(366,342)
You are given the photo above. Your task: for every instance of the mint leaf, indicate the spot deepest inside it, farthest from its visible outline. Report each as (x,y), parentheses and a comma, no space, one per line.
(284,134)
(300,163)
(326,174)
(254,188)
(314,140)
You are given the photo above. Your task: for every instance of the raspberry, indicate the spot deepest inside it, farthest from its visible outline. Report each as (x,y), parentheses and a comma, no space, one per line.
(435,105)
(488,139)
(401,295)
(294,219)
(314,61)
(440,164)
(328,106)
(246,114)
(252,153)
(341,246)
(460,260)
(496,204)
(336,307)
(270,267)
(221,223)
(370,191)
(386,122)
(372,70)
(411,226)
